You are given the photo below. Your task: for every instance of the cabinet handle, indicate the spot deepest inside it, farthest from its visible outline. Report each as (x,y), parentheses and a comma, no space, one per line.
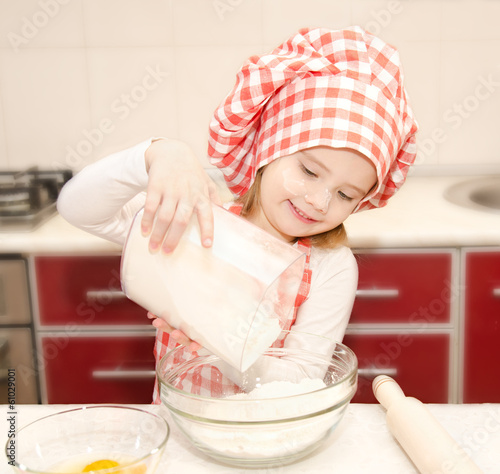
(377,293)
(105,295)
(123,374)
(372,372)
(496,292)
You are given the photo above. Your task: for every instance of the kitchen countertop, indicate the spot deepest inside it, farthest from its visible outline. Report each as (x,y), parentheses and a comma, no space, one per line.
(417,216)
(361,442)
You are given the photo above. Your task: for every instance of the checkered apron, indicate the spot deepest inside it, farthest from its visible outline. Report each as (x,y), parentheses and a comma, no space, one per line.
(208,380)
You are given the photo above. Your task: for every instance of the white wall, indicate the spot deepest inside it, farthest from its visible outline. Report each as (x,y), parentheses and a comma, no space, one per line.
(82,78)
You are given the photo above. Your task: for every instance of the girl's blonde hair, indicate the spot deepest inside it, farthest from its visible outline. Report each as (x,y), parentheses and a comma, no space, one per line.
(251,202)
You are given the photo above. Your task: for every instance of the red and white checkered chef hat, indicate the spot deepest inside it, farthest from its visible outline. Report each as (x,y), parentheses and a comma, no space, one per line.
(342,89)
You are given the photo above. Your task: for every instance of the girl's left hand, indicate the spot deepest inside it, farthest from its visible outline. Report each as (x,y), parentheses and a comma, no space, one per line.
(175,334)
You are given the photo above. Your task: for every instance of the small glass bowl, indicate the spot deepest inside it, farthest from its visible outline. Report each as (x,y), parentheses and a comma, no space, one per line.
(68,441)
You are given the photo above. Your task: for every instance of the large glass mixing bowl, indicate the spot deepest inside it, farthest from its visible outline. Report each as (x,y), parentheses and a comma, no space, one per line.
(277,426)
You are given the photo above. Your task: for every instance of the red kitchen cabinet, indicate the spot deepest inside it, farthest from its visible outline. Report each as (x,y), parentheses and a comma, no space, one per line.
(85,368)
(403,288)
(482,327)
(83,291)
(94,344)
(418,362)
(402,322)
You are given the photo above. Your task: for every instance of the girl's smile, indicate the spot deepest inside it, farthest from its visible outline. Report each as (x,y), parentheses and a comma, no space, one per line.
(312,191)
(300,215)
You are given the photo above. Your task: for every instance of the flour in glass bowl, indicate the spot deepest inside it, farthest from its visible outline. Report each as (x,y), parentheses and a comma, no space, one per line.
(279,389)
(272,392)
(271,440)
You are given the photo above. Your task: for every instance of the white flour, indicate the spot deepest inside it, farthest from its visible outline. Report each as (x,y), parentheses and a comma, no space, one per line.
(269,440)
(279,389)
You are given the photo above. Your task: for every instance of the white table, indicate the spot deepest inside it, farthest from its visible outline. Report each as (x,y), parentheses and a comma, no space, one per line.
(360,444)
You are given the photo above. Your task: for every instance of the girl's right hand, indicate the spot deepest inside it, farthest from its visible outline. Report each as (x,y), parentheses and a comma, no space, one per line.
(178,186)
(176,334)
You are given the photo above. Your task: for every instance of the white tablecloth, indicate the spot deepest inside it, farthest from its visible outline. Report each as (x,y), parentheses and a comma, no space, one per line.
(360,444)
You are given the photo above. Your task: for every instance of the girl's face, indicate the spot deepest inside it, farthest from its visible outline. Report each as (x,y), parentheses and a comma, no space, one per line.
(312,191)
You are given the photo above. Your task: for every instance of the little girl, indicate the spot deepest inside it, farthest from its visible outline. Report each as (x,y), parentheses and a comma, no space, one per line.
(316,130)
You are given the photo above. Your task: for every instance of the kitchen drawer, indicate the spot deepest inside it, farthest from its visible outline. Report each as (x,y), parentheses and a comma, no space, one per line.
(405,288)
(482,328)
(418,362)
(88,368)
(84,291)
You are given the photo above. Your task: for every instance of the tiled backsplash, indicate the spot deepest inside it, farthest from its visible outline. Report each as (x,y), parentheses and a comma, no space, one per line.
(82,78)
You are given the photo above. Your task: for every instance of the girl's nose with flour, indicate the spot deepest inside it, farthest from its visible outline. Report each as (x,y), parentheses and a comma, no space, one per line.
(319,198)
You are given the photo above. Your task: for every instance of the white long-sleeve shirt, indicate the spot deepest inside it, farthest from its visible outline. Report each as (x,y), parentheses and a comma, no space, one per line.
(104,197)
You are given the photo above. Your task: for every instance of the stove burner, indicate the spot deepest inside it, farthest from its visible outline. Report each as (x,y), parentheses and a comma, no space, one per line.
(28,197)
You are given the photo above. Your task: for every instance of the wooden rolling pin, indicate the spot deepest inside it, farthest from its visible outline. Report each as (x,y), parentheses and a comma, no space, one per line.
(427,443)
